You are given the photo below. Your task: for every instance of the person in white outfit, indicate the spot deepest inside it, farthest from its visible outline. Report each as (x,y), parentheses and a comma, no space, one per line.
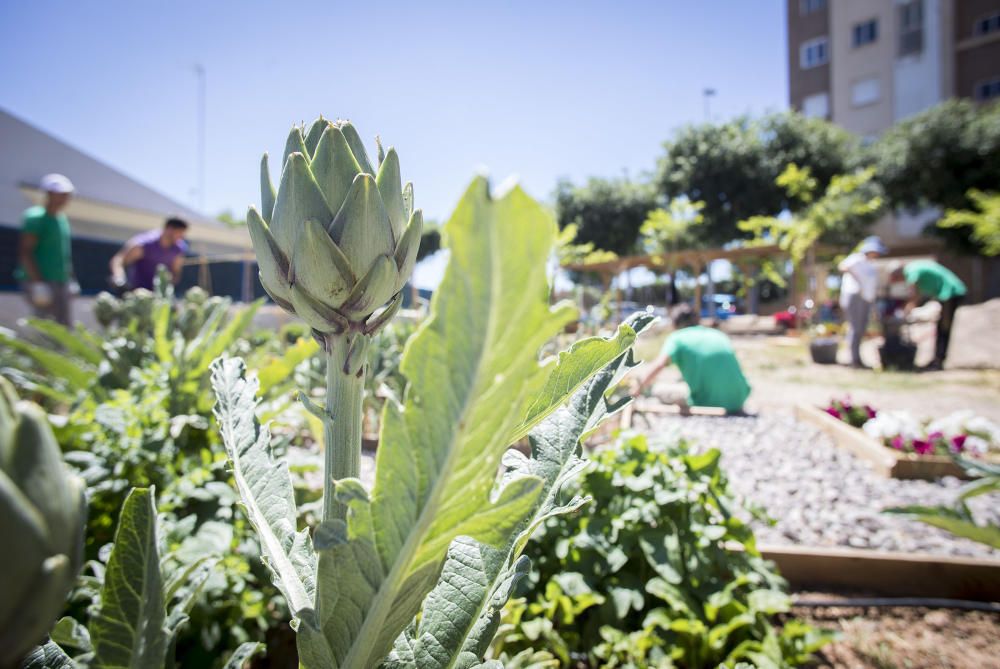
(858,289)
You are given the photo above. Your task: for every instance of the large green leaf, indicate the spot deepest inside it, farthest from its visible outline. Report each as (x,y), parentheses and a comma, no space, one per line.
(77,376)
(207,346)
(956,521)
(68,339)
(461,614)
(474,386)
(128,632)
(264,485)
(48,656)
(280,368)
(243,653)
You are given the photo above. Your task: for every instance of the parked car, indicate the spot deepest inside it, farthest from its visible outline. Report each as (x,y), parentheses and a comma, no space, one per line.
(724,306)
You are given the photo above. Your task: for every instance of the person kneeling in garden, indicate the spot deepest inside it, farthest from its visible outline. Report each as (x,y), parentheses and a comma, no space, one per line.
(707,362)
(929,280)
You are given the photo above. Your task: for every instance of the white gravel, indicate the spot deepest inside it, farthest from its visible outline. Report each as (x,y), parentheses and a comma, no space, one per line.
(818,494)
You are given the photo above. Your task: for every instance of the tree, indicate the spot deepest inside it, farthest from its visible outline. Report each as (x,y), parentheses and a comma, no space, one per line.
(733,166)
(983,218)
(673,229)
(606,212)
(839,215)
(935,158)
(226,216)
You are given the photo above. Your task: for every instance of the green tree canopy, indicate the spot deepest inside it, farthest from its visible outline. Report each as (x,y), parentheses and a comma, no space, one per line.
(606,212)
(732,167)
(935,158)
(983,219)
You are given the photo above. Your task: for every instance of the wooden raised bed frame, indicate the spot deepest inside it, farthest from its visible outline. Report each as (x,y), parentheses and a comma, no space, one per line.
(883,460)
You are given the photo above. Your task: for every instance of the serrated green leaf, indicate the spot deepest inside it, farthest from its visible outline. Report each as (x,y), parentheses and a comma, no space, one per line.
(264,484)
(48,656)
(69,633)
(243,653)
(78,376)
(439,453)
(128,631)
(68,339)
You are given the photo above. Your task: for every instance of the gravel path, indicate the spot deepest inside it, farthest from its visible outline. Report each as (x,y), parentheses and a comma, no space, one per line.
(818,494)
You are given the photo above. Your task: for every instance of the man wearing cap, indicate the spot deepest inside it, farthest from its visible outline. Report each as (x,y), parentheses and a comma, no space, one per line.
(44,254)
(142,255)
(858,289)
(930,280)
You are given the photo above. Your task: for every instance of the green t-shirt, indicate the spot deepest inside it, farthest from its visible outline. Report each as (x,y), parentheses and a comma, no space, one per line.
(933,279)
(52,252)
(709,367)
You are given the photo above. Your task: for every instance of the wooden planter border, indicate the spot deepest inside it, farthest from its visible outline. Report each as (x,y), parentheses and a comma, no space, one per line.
(883,460)
(887,573)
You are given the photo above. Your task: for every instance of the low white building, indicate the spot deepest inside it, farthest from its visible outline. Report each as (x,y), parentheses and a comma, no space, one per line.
(108,208)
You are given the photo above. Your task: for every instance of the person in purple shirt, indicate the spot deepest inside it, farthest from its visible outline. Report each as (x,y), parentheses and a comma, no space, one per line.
(135,264)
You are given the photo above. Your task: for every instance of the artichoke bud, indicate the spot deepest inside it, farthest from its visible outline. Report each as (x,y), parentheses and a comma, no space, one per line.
(337,241)
(42,512)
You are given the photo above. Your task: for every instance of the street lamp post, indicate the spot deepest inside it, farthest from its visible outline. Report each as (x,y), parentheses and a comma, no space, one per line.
(708,93)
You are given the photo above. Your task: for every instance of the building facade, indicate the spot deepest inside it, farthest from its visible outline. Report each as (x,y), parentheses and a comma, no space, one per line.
(865,64)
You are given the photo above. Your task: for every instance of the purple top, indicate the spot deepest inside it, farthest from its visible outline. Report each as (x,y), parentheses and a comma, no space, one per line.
(143,270)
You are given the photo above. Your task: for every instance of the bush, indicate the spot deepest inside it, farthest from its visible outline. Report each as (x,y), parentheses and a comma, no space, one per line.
(657,571)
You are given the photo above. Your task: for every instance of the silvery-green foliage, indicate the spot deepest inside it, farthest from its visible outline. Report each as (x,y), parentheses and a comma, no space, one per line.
(42,514)
(475,386)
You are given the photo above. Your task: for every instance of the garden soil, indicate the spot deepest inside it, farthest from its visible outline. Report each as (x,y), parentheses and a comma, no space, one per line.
(906,638)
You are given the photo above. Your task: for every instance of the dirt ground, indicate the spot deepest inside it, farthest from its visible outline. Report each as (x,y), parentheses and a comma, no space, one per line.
(906,638)
(782,375)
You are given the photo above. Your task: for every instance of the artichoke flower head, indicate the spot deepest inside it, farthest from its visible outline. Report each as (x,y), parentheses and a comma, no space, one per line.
(42,516)
(338,240)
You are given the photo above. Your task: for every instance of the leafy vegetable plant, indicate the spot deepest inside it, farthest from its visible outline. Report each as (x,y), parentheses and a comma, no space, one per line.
(141,608)
(656,571)
(439,533)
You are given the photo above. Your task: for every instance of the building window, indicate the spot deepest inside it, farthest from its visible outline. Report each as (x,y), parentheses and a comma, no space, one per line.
(987,90)
(810,6)
(816,106)
(911,28)
(864,33)
(865,92)
(814,53)
(987,24)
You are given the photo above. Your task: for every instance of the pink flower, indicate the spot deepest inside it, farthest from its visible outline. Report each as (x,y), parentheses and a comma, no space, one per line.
(871,412)
(922,447)
(833,412)
(897,442)
(958,443)
(934,436)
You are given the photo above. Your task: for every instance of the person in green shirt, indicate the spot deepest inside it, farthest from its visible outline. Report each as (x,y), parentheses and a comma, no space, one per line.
(707,362)
(45,263)
(929,280)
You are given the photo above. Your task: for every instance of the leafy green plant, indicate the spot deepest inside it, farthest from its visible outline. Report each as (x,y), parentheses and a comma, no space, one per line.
(983,218)
(42,511)
(475,385)
(140,608)
(656,571)
(958,519)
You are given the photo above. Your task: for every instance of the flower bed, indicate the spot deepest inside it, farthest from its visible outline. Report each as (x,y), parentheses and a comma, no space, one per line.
(899,445)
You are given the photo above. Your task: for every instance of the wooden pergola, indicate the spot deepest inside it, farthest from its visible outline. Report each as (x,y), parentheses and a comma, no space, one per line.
(743,257)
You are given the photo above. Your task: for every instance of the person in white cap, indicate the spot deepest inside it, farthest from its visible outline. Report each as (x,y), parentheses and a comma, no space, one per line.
(45,262)
(858,289)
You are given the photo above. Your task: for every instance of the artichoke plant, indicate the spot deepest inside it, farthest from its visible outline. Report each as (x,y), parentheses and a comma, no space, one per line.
(335,245)
(42,517)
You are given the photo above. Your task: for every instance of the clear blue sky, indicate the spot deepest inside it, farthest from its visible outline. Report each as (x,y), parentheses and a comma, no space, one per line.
(538,89)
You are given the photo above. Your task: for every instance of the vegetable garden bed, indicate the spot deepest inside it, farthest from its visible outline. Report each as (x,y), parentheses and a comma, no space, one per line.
(883,460)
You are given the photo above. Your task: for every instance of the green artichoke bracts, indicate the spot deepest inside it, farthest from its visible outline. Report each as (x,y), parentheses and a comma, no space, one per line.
(42,516)
(335,245)
(338,240)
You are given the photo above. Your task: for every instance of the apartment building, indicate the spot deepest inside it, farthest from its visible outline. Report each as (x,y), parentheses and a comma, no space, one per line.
(865,64)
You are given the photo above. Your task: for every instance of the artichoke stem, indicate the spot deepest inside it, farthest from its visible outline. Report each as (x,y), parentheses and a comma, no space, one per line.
(342,431)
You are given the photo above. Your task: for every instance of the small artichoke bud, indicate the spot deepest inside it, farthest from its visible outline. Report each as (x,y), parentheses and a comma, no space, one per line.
(42,517)
(107,309)
(337,240)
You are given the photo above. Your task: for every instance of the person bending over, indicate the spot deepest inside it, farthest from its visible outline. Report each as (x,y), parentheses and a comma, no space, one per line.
(707,362)
(136,263)
(929,280)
